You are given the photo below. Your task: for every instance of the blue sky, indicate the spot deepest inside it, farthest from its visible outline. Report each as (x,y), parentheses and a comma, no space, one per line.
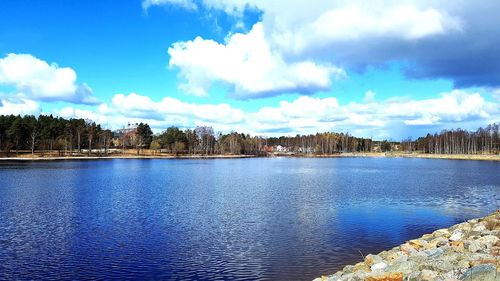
(386,70)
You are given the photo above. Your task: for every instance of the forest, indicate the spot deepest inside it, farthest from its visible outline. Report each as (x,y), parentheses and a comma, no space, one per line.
(47,134)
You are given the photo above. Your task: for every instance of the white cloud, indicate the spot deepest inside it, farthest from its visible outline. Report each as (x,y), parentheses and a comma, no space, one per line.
(248,65)
(431,38)
(310,115)
(456,106)
(358,23)
(259,63)
(18,107)
(134,108)
(138,105)
(36,79)
(304,115)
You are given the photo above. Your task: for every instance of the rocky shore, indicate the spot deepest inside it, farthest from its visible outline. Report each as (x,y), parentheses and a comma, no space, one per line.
(466,251)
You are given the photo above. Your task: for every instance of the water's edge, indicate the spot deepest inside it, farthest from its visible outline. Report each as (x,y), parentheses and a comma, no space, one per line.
(465,250)
(482,157)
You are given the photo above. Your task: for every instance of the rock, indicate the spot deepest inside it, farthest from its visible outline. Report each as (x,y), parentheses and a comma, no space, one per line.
(357,276)
(453,274)
(420,257)
(465,226)
(372,259)
(479,228)
(485,272)
(427,236)
(495,232)
(393,276)
(466,251)
(418,243)
(428,275)
(434,253)
(406,267)
(414,276)
(396,256)
(457,235)
(441,233)
(453,257)
(347,277)
(384,254)
(437,242)
(447,249)
(361,266)
(495,251)
(348,269)
(437,265)
(379,266)
(486,260)
(492,223)
(462,264)
(488,241)
(407,249)
(473,246)
(458,246)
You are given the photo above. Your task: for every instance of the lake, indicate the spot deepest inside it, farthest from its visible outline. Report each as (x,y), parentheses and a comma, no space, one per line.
(226,219)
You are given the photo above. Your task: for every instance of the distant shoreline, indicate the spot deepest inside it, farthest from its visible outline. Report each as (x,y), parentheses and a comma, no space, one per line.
(110,157)
(480,157)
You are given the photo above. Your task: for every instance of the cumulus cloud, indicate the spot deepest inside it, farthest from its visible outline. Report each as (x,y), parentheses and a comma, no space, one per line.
(377,118)
(13,106)
(456,40)
(138,106)
(248,66)
(133,108)
(36,79)
(395,118)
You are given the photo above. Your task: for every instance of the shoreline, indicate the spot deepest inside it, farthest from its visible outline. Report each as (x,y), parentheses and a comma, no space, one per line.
(478,157)
(111,157)
(465,251)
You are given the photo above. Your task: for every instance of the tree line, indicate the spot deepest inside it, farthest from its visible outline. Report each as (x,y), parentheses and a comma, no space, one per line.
(203,140)
(458,141)
(47,133)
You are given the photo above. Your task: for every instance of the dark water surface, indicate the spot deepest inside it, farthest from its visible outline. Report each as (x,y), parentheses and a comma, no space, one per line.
(234,219)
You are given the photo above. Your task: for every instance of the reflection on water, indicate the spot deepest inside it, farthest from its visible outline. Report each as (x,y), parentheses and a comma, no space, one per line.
(235,219)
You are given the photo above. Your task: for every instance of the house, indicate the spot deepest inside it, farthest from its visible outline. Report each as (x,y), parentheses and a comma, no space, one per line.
(268,149)
(280,148)
(125,137)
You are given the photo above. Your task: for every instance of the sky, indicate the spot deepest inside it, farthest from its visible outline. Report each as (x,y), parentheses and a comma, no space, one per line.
(380,69)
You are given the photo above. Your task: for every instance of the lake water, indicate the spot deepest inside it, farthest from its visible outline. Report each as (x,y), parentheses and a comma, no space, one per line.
(227,219)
